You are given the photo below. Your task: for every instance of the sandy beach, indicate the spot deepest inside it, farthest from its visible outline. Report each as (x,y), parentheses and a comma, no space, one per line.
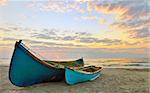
(113,80)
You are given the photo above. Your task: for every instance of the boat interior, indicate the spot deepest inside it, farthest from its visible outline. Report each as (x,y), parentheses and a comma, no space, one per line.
(65,63)
(91,68)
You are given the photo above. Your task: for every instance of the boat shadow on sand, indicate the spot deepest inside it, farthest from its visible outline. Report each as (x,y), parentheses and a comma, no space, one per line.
(57,87)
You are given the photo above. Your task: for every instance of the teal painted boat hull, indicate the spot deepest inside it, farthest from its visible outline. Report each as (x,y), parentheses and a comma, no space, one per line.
(73,77)
(26,69)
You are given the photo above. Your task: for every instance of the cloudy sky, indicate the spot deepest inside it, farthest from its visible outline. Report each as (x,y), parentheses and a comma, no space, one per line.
(59,29)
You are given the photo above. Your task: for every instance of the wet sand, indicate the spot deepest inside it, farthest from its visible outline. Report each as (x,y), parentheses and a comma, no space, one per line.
(113,80)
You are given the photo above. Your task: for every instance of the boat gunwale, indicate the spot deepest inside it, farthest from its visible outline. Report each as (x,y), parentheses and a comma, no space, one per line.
(56,61)
(36,58)
(85,72)
(44,62)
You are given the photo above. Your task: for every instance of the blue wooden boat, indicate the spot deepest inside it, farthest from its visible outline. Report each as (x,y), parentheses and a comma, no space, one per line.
(89,73)
(26,69)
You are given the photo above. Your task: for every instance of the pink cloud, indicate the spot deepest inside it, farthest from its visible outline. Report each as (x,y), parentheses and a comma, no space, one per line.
(3,2)
(117,10)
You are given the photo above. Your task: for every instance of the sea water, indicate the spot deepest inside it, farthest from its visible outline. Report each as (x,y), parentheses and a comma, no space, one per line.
(120,62)
(105,62)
